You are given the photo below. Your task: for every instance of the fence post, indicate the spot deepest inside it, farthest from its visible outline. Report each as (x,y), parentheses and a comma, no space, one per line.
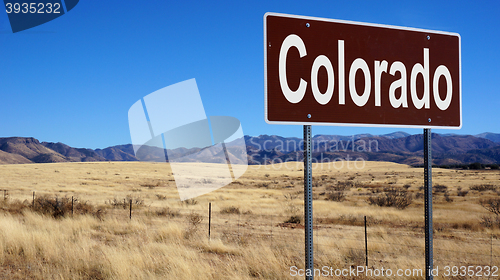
(209,218)
(366,245)
(33,204)
(72,206)
(4,194)
(131,209)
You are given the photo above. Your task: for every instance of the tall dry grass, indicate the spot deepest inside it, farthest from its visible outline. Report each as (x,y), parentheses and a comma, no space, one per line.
(40,247)
(166,240)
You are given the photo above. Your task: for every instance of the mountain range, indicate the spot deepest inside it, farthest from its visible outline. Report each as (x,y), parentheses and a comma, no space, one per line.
(400,147)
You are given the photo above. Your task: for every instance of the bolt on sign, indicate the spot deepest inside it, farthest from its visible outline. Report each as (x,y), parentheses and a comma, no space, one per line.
(332,72)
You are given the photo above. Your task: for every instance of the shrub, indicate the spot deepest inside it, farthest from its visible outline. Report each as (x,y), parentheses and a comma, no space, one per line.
(295,219)
(354,257)
(345,185)
(338,196)
(137,201)
(230,210)
(190,201)
(440,188)
(161,196)
(483,187)
(264,185)
(125,203)
(447,197)
(492,205)
(290,206)
(99,214)
(475,166)
(51,206)
(490,222)
(60,207)
(342,186)
(194,220)
(462,193)
(350,220)
(167,212)
(14,206)
(149,186)
(392,197)
(115,203)
(82,207)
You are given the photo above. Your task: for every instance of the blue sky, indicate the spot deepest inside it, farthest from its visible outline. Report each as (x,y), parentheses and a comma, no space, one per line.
(73,79)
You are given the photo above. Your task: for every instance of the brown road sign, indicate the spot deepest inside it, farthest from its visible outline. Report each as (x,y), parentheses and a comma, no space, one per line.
(331,72)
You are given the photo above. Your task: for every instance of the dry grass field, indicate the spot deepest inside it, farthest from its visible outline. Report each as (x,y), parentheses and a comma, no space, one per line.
(256,230)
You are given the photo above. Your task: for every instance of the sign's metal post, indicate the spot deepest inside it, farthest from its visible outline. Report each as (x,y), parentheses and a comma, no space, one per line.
(428,203)
(308,207)
(284,105)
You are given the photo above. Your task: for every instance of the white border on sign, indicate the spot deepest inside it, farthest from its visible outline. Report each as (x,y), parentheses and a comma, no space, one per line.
(364,24)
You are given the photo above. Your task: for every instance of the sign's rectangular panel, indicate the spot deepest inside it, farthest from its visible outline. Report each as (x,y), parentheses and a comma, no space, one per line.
(330,72)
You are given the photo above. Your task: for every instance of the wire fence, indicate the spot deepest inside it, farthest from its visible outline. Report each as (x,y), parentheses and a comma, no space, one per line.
(372,243)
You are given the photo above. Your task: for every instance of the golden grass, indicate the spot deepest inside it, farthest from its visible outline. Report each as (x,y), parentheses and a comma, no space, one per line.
(162,241)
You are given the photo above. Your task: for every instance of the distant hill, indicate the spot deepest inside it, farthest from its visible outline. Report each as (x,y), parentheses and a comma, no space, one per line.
(30,149)
(8,158)
(400,147)
(440,144)
(73,154)
(495,137)
(446,150)
(395,135)
(490,153)
(117,153)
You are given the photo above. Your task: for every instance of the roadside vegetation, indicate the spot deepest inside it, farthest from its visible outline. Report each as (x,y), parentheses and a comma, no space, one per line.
(78,225)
